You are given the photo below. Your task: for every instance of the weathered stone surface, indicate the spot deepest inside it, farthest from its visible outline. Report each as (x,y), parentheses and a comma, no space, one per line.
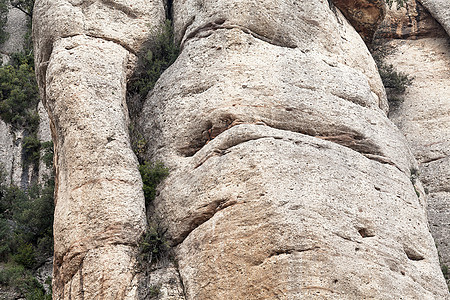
(440,9)
(84,53)
(99,212)
(289,24)
(44,135)
(164,283)
(16,27)
(424,119)
(365,16)
(287,179)
(130,25)
(11,139)
(411,21)
(10,151)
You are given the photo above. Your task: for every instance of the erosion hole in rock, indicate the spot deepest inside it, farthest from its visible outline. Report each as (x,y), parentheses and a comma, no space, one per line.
(413,255)
(365,233)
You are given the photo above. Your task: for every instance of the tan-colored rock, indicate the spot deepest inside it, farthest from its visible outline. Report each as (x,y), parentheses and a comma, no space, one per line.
(424,114)
(440,9)
(365,15)
(85,52)
(99,211)
(412,21)
(424,119)
(287,179)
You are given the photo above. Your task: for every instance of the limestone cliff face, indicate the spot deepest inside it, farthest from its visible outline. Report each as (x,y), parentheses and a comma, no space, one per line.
(287,179)
(423,117)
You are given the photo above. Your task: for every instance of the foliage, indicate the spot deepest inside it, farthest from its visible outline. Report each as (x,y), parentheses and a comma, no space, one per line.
(152,174)
(17,276)
(138,142)
(47,153)
(153,245)
(163,53)
(26,225)
(31,147)
(394,81)
(19,93)
(154,291)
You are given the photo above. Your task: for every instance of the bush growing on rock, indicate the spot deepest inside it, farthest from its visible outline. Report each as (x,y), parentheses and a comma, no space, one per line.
(153,245)
(163,53)
(152,174)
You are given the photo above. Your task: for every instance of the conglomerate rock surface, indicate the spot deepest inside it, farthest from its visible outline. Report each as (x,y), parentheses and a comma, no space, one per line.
(85,50)
(424,116)
(287,180)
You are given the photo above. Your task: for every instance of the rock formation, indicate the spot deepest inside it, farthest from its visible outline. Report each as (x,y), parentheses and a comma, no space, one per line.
(424,54)
(440,9)
(84,52)
(287,179)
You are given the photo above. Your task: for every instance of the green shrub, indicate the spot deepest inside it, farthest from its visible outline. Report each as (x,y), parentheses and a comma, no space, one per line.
(153,245)
(31,147)
(152,174)
(163,53)
(14,275)
(19,92)
(154,291)
(395,82)
(25,255)
(47,153)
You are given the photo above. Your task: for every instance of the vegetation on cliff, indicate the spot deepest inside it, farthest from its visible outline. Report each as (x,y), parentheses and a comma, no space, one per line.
(394,81)
(26,214)
(26,232)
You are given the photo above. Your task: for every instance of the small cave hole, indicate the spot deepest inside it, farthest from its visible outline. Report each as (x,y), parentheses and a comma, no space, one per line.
(413,255)
(364,232)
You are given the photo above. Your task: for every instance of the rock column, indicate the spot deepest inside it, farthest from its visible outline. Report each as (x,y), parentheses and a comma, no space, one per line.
(84,52)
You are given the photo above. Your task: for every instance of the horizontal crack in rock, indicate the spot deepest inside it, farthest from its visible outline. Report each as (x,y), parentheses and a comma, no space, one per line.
(209,210)
(212,26)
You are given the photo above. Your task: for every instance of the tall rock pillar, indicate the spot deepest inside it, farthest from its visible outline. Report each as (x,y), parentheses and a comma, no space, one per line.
(84,52)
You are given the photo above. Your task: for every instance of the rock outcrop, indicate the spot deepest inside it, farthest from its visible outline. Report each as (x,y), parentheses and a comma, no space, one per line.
(440,9)
(423,116)
(365,16)
(287,179)
(84,52)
